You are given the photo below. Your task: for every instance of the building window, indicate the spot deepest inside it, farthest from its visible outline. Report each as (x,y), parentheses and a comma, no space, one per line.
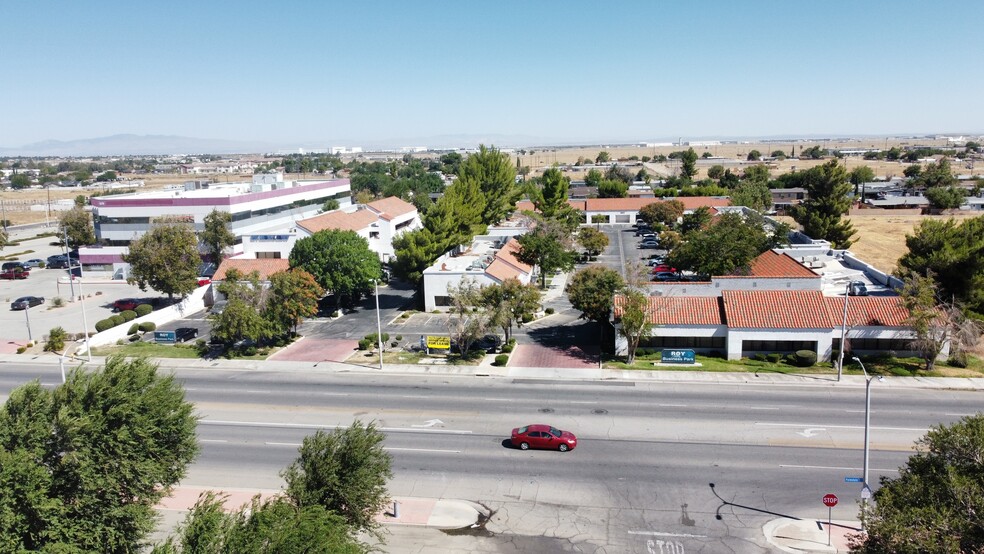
(374,234)
(267,255)
(442,300)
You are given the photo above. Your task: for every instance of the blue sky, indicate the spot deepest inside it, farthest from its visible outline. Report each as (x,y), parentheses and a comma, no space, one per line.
(370,71)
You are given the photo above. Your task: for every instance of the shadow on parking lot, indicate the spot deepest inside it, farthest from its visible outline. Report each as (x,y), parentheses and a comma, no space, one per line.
(578,341)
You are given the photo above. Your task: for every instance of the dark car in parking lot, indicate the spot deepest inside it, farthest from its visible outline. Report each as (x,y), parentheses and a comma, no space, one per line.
(665,276)
(182,334)
(25,302)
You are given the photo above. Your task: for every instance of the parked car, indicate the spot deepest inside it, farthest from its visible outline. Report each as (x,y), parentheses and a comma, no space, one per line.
(16,273)
(59,263)
(25,302)
(649,243)
(857,288)
(33,263)
(56,258)
(217,308)
(124,304)
(9,266)
(182,334)
(543,436)
(655,261)
(661,268)
(666,276)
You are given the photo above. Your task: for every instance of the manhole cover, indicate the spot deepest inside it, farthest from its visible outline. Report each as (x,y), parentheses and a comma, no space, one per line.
(546,410)
(599,412)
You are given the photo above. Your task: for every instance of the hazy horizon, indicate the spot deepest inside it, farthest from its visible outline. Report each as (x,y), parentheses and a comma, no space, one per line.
(356,74)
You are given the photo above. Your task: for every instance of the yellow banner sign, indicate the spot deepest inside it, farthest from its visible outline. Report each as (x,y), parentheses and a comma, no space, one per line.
(438,342)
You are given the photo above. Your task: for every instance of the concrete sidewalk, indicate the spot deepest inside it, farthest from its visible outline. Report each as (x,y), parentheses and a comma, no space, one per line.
(440,513)
(810,535)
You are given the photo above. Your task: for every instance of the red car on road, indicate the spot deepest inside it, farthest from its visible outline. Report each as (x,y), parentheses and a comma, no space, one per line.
(15,274)
(543,436)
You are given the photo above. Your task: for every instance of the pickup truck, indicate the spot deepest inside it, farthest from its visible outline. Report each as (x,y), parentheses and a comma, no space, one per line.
(15,274)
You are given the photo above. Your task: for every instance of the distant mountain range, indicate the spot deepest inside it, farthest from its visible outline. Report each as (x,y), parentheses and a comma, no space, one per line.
(161,145)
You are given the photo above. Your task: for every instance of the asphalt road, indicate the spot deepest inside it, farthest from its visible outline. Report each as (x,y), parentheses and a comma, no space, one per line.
(647,452)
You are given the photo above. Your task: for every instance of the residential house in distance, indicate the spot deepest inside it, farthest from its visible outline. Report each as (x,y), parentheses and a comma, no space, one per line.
(379,222)
(621,211)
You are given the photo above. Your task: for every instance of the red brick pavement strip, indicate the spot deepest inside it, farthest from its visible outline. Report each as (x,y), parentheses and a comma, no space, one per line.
(10,346)
(317,350)
(535,355)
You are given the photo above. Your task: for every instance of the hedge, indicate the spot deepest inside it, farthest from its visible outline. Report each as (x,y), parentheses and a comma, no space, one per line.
(501,359)
(128,315)
(133,329)
(104,324)
(806,358)
(117,319)
(147,326)
(364,344)
(143,309)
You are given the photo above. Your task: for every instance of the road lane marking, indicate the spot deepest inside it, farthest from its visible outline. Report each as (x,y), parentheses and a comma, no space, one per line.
(294,444)
(498,399)
(583,402)
(761,408)
(804,425)
(259,391)
(422,450)
(212,440)
(789,466)
(316,426)
(335,394)
(672,405)
(661,534)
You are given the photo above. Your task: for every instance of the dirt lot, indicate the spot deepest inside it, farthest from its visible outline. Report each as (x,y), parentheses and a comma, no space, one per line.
(881,238)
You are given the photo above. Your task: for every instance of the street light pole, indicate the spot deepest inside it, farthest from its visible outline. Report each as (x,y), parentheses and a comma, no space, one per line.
(840,356)
(85,324)
(865,490)
(379,326)
(28,317)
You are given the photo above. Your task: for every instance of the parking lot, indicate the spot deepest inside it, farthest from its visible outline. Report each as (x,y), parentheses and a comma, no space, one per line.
(95,295)
(624,248)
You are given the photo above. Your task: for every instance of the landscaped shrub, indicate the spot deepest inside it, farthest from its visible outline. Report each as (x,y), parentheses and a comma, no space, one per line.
(128,315)
(957,359)
(58,301)
(394,344)
(117,319)
(133,329)
(405,315)
(806,358)
(249,350)
(527,318)
(143,309)
(21,349)
(134,338)
(56,340)
(548,311)
(774,357)
(759,357)
(399,337)
(501,360)
(374,337)
(104,324)
(507,348)
(147,326)
(364,344)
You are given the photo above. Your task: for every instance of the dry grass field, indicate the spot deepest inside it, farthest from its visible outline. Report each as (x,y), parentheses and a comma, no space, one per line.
(881,238)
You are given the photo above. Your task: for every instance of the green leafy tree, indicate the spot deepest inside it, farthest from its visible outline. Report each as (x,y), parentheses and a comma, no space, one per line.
(616,172)
(551,194)
(912,171)
(106,176)
(20,181)
(165,259)
(634,314)
(506,303)
(695,221)
(754,156)
(936,321)
(953,254)
(688,164)
(239,321)
(820,214)
(612,189)
(496,179)
(216,235)
(665,212)
(548,246)
(935,504)
(860,175)
(345,472)
(77,223)
(936,175)
(727,246)
(752,194)
(592,291)
(83,465)
(715,171)
(340,261)
(593,178)
(778,154)
(592,240)
(415,252)
(293,296)
(56,340)
(756,173)
(603,157)
(272,525)
(466,321)
(945,198)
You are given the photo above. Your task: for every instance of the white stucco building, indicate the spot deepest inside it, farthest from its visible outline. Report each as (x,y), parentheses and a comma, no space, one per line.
(490,259)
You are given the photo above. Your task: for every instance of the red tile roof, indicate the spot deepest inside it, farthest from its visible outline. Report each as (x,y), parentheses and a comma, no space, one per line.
(868,311)
(771,264)
(506,264)
(342,221)
(788,309)
(265,266)
(508,253)
(680,310)
(391,207)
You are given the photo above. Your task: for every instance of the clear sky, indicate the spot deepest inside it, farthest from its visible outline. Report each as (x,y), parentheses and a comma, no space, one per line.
(368,71)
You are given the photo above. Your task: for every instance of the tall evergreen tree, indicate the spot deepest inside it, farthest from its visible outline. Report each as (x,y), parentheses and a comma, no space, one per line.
(821,214)
(551,194)
(495,176)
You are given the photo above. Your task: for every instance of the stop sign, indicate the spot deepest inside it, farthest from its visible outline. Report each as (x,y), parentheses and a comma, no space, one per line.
(830,500)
